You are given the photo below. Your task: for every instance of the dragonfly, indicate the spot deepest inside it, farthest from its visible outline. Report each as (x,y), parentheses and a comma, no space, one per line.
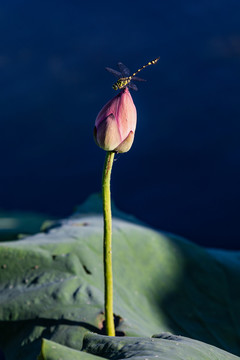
(124,77)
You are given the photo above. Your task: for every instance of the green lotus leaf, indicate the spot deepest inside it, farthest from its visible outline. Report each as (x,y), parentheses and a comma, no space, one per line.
(53,351)
(163,347)
(51,285)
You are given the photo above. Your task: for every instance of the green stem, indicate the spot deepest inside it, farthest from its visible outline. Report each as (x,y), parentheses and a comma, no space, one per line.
(107,244)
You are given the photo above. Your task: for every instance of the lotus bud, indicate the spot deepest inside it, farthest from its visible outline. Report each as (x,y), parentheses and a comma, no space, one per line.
(116,123)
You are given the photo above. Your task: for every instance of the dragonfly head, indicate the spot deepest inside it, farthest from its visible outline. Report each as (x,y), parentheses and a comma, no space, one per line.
(115,86)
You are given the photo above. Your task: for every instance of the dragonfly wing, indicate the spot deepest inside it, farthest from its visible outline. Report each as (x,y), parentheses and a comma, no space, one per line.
(114,72)
(135,78)
(124,70)
(133,86)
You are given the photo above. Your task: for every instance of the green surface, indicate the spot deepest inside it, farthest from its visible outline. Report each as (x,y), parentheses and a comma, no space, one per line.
(164,347)
(53,351)
(51,286)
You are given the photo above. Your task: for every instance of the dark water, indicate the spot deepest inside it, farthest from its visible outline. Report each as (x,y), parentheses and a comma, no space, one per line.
(182,173)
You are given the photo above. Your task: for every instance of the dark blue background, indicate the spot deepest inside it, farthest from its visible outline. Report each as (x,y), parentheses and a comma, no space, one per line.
(182,173)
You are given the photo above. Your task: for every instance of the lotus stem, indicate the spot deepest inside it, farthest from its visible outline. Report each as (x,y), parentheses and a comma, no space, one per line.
(107,244)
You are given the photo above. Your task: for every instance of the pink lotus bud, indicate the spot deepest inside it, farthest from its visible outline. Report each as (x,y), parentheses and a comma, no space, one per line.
(116,123)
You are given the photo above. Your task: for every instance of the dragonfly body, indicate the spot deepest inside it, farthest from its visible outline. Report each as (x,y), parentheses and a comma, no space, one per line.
(124,80)
(121,83)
